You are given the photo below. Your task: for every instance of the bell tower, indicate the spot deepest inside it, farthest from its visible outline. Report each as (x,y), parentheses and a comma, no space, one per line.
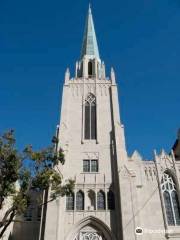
(92,137)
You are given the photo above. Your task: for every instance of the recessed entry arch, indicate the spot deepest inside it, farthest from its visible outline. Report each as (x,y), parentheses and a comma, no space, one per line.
(90,228)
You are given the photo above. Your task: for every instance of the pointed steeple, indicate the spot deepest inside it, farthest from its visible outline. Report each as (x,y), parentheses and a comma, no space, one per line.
(90,46)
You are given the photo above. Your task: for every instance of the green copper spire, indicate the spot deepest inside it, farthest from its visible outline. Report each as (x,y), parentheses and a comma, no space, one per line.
(89,47)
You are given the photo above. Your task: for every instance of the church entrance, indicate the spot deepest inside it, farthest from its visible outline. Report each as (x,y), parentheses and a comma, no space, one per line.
(90,228)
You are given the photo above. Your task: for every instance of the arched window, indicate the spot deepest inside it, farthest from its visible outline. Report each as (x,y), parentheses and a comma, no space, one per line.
(90,117)
(90,69)
(111,202)
(80,200)
(101,201)
(70,201)
(171,200)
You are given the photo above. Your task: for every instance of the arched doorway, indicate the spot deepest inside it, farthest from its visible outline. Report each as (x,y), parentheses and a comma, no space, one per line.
(90,228)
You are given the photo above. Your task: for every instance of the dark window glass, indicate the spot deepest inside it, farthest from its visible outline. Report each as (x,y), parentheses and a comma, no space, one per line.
(80,201)
(101,205)
(28,213)
(70,202)
(93,121)
(86,165)
(90,69)
(111,202)
(87,121)
(169,211)
(176,207)
(94,166)
(90,117)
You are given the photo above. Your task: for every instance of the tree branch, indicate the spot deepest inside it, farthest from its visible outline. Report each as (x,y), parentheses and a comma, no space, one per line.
(7,222)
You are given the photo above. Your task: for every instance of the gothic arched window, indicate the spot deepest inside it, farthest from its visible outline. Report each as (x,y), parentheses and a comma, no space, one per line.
(80,200)
(171,200)
(70,201)
(90,69)
(111,202)
(101,201)
(90,117)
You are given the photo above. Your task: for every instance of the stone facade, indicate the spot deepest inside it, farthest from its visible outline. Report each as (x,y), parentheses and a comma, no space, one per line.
(140,207)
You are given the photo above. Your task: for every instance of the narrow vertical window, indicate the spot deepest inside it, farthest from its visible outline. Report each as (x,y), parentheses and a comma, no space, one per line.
(169,211)
(86,165)
(90,117)
(87,120)
(171,200)
(80,200)
(29,213)
(70,201)
(90,69)
(101,201)
(93,120)
(94,166)
(176,207)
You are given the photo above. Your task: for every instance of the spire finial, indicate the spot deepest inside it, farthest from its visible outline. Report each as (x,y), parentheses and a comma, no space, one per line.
(89,7)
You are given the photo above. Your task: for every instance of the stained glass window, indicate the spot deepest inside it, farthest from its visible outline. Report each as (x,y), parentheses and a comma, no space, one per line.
(90,117)
(80,200)
(70,202)
(171,200)
(101,201)
(87,120)
(169,211)
(176,207)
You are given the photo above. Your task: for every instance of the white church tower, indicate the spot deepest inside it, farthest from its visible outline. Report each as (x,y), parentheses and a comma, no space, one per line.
(116,197)
(92,137)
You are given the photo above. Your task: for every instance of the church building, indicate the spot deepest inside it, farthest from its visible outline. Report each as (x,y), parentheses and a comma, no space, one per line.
(116,196)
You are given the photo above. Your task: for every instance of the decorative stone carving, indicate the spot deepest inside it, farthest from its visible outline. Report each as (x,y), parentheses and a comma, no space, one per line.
(89,236)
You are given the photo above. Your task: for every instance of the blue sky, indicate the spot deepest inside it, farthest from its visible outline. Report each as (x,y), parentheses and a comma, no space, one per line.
(140,39)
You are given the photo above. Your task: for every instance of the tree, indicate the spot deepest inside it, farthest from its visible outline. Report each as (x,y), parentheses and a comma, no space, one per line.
(17,178)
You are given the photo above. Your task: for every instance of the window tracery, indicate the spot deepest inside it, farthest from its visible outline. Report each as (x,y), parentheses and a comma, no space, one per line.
(171,200)
(89,236)
(90,117)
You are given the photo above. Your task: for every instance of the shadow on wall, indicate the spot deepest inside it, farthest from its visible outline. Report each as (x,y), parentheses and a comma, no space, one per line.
(26,227)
